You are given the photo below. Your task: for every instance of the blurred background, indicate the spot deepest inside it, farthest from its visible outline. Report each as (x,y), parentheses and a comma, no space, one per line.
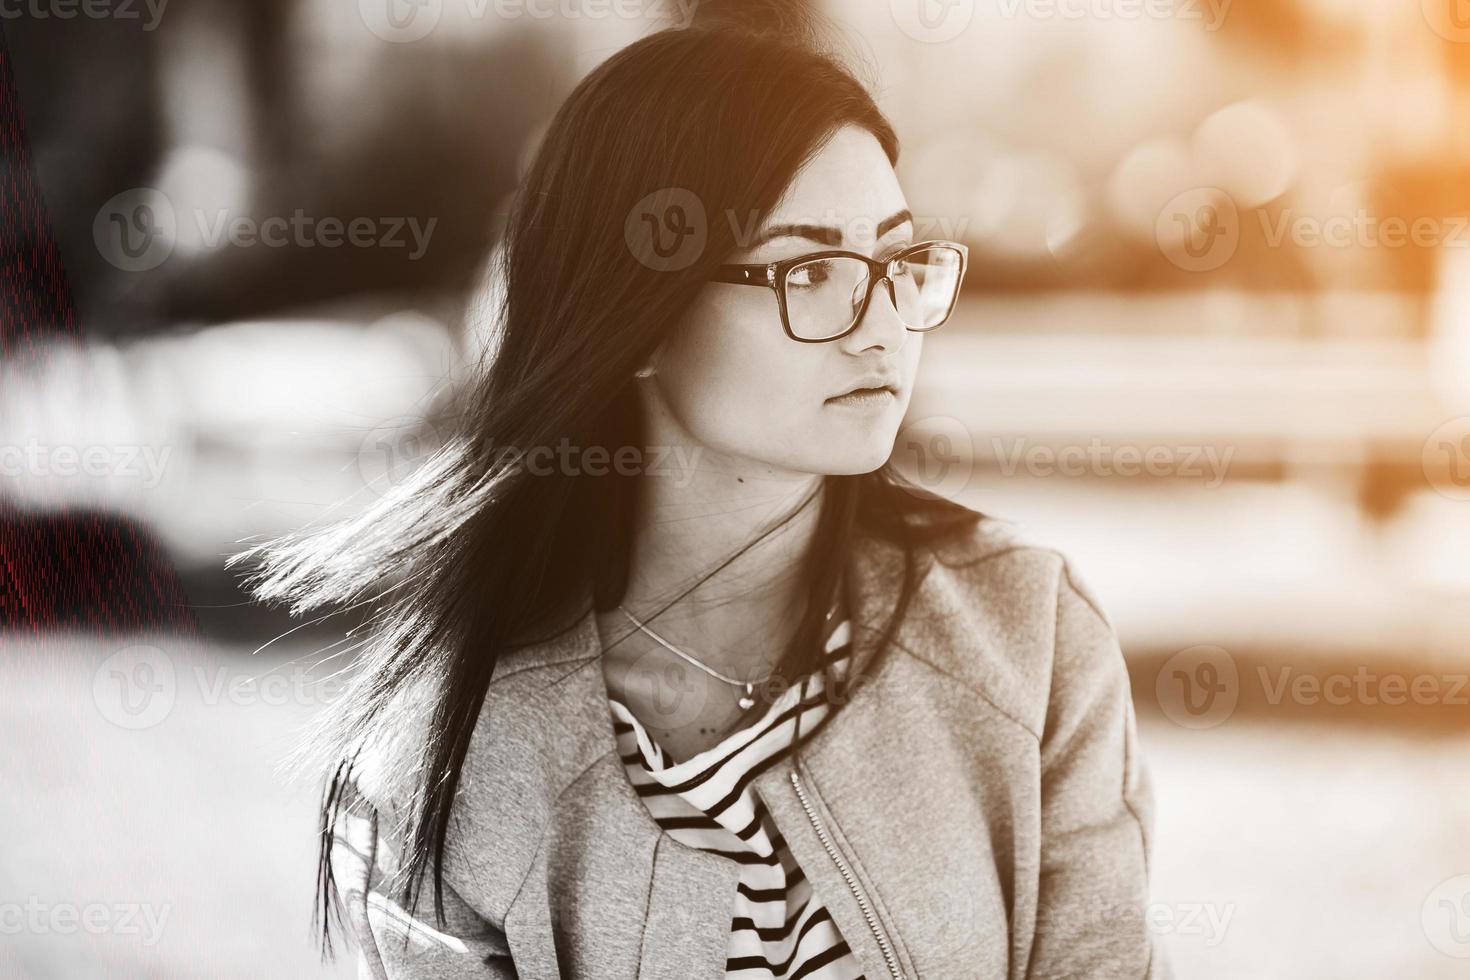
(1215,346)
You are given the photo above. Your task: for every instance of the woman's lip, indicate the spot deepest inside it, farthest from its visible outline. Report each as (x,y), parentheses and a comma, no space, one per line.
(860,395)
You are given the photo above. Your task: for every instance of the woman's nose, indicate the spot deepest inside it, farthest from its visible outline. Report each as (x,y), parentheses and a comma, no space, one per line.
(880,326)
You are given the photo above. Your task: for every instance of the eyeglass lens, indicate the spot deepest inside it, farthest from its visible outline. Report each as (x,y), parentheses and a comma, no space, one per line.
(823,295)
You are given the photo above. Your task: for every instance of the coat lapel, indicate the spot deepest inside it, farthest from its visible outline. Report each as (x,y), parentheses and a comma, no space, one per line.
(874,574)
(546,780)
(687,929)
(599,858)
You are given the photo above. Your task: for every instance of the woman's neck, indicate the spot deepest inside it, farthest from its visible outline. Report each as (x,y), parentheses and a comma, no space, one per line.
(685,533)
(697,510)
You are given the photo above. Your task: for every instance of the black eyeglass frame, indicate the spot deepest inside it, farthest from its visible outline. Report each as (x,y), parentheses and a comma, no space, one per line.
(773,275)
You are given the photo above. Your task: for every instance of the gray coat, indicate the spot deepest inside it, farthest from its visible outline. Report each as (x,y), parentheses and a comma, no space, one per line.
(979,808)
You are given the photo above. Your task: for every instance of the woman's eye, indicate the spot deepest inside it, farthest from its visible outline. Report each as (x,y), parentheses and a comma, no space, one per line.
(808,275)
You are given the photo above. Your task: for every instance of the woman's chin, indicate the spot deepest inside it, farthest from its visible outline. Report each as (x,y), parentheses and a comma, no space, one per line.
(860,457)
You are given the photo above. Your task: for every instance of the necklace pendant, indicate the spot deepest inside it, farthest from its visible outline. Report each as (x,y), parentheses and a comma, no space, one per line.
(746,700)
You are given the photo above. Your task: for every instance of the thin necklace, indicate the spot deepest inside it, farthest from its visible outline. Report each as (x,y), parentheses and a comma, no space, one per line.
(746,700)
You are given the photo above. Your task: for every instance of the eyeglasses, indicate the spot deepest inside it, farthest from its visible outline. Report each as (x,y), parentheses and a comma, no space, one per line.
(822,296)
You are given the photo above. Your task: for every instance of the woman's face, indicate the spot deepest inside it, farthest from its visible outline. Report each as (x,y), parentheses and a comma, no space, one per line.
(736,384)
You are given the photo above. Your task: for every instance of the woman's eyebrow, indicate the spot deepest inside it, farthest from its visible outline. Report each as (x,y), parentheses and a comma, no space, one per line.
(828,235)
(893,221)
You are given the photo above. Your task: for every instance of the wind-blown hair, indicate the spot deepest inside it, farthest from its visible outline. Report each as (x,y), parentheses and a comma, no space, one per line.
(472,556)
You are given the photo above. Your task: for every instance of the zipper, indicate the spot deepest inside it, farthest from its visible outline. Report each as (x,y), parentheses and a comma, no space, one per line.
(848,876)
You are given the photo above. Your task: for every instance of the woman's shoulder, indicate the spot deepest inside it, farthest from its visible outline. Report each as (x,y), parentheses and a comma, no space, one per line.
(1009,613)
(990,547)
(996,554)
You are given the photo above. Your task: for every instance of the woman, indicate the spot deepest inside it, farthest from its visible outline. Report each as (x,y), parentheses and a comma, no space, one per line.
(672,675)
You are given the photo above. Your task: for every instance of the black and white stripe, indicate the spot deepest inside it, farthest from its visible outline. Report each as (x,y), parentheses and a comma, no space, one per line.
(779,928)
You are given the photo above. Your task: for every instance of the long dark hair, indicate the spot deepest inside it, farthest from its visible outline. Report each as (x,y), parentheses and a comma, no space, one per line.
(471,556)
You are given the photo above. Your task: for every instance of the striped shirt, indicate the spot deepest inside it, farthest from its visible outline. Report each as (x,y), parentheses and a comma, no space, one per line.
(779,928)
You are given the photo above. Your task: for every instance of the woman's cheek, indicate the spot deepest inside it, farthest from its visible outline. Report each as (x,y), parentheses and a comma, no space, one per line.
(735,379)
(746,405)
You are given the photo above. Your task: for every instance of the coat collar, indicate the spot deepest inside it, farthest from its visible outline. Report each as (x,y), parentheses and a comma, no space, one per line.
(546,725)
